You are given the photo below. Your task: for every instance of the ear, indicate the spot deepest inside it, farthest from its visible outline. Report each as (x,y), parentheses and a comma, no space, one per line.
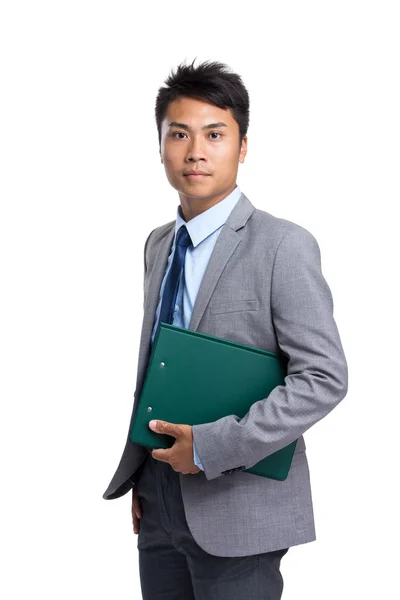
(243,149)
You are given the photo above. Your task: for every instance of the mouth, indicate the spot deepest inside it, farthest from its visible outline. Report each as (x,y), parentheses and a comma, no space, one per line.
(196,175)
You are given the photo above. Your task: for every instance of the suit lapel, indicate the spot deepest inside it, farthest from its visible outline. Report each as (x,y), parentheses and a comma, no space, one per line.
(225,246)
(150,307)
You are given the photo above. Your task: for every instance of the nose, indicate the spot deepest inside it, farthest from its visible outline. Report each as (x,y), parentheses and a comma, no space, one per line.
(195,151)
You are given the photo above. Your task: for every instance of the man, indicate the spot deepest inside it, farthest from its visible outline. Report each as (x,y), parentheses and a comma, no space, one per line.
(207,529)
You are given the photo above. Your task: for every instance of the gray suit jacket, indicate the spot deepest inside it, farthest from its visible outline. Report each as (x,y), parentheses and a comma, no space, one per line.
(264,287)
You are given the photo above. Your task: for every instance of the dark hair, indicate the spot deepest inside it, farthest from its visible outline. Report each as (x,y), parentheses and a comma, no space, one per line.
(210,81)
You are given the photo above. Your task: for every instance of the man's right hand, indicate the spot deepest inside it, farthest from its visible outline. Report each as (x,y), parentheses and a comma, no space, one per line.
(136,510)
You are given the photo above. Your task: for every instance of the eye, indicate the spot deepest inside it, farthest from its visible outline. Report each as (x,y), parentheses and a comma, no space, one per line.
(176,133)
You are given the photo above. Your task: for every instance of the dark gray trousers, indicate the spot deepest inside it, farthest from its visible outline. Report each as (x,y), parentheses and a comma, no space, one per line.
(172,565)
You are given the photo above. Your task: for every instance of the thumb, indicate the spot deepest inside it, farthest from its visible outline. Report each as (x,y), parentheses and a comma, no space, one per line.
(165,427)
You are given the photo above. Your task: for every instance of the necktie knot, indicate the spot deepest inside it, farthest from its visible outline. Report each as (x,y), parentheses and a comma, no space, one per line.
(183,237)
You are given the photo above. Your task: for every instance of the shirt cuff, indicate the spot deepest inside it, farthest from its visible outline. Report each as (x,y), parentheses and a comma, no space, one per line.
(196,458)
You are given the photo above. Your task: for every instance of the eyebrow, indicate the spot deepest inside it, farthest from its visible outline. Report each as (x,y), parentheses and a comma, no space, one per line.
(209,126)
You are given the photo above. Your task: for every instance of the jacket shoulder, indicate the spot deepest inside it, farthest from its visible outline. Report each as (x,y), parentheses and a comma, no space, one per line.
(159,233)
(279,227)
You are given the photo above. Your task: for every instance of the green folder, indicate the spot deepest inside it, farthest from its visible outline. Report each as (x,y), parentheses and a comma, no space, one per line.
(195,378)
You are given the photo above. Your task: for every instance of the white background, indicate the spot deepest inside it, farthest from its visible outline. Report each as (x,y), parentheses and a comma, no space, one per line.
(82,185)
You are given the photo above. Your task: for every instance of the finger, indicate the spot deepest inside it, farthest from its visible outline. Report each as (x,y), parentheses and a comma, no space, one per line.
(166,428)
(161,454)
(136,515)
(136,524)
(137,507)
(136,504)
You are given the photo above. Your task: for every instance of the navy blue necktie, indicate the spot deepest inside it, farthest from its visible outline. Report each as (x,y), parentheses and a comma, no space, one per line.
(172,283)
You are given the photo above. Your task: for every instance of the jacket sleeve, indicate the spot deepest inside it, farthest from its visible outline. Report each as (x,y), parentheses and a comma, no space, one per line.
(316,381)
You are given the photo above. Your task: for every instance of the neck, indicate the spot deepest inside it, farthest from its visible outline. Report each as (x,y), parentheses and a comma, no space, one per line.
(191,207)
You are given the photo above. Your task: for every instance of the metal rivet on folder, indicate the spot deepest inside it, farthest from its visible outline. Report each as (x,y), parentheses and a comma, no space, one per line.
(149,409)
(162,364)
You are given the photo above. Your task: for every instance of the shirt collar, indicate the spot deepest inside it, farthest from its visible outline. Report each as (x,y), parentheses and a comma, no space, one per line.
(210,220)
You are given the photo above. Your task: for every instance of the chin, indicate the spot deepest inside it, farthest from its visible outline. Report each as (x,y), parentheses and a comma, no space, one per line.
(199,191)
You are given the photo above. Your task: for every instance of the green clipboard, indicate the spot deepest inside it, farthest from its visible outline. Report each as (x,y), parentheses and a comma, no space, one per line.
(196,378)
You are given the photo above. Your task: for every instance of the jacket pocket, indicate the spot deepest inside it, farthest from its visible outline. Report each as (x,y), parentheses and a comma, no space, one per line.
(233,306)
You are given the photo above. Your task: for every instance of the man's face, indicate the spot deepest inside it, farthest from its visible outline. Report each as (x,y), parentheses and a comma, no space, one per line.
(196,135)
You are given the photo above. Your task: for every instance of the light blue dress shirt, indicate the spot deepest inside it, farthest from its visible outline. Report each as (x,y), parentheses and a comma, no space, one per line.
(204,231)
